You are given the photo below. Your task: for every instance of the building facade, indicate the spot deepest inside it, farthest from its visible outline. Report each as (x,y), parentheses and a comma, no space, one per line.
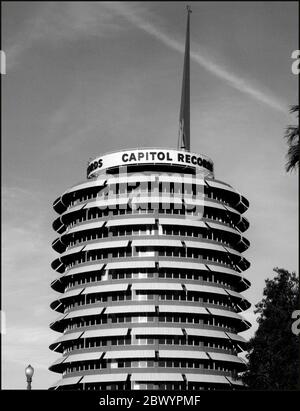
(150,275)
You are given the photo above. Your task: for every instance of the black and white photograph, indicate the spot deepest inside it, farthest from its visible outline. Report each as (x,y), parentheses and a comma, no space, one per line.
(150,155)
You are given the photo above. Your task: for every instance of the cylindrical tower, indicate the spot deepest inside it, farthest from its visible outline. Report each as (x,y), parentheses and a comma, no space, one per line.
(150,274)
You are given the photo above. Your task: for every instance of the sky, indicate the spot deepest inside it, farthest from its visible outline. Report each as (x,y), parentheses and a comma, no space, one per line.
(86,78)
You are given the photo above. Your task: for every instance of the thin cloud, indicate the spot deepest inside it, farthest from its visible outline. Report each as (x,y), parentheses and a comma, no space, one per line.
(54,22)
(243,85)
(23,343)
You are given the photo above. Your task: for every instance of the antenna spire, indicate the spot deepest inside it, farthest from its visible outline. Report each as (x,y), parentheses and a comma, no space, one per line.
(184,116)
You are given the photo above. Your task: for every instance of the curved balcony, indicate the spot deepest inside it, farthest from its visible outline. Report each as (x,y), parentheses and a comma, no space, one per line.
(207,208)
(89,190)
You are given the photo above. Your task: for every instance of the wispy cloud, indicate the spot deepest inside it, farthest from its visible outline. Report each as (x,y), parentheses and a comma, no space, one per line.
(26,294)
(68,21)
(26,252)
(241,84)
(53,22)
(22,343)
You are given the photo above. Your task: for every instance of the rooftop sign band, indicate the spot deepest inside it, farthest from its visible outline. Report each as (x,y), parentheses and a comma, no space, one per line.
(151,156)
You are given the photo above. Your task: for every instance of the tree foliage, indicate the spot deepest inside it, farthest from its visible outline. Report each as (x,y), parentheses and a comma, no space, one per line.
(273,353)
(292,137)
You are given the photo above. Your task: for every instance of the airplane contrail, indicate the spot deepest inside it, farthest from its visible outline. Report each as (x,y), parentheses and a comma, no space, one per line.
(239,83)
